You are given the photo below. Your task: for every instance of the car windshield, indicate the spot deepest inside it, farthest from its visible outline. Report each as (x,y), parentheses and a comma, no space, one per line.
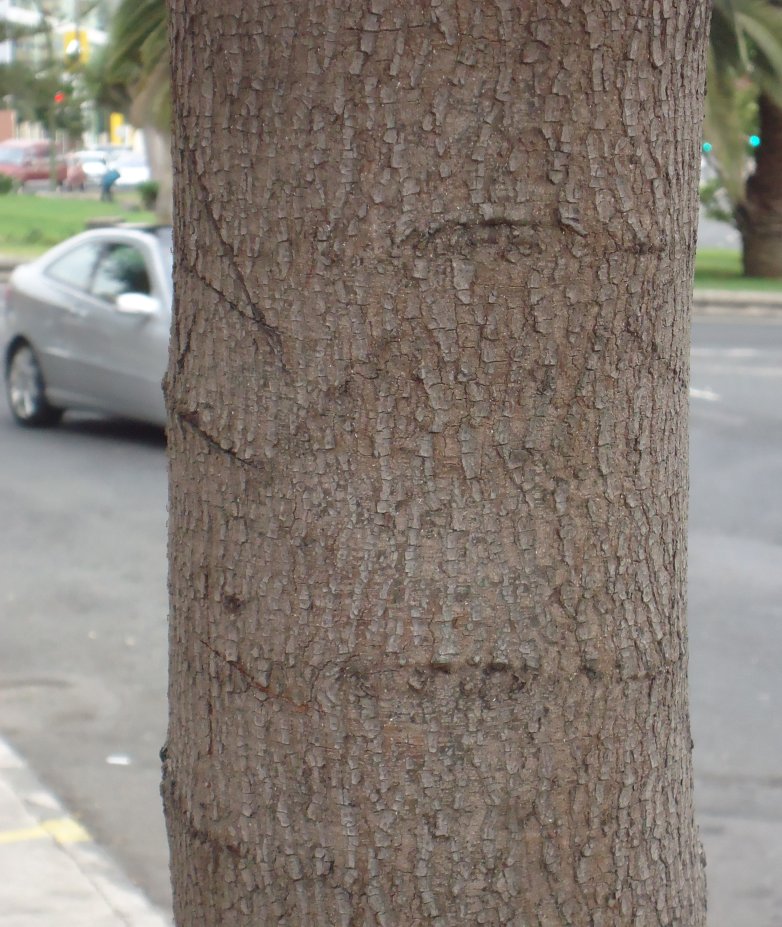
(9,155)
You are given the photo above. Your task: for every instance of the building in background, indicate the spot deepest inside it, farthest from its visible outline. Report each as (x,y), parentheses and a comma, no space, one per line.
(18,13)
(71,23)
(33,32)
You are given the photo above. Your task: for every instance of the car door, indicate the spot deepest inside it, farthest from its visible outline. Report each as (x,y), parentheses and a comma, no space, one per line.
(53,305)
(42,162)
(124,355)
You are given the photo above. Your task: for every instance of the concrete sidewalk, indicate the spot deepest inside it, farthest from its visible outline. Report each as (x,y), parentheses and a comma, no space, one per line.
(52,870)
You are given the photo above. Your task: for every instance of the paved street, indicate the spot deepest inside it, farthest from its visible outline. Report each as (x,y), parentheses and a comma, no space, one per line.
(713,234)
(736,613)
(83,634)
(83,604)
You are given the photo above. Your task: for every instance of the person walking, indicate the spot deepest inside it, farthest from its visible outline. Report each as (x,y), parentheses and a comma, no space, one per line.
(107,182)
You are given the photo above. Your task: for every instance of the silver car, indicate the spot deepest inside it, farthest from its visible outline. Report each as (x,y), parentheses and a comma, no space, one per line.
(86,326)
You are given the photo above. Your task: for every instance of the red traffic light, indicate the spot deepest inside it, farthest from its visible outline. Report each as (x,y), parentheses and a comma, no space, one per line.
(59,97)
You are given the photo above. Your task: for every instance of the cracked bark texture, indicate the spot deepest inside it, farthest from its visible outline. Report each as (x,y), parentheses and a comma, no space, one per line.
(428,451)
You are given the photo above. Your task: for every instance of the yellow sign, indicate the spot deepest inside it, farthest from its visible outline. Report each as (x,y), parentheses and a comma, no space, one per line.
(117,131)
(76,45)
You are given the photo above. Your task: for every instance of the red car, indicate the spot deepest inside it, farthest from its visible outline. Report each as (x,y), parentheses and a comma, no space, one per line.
(26,160)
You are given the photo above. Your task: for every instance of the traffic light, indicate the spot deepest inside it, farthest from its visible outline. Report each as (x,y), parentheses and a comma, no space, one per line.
(752,140)
(60,97)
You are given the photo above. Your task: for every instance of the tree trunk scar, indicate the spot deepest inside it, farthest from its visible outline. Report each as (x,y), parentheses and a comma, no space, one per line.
(253,682)
(489,218)
(192,420)
(255,313)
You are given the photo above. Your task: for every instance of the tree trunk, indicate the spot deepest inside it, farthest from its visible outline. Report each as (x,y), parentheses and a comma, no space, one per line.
(760,215)
(428,445)
(157,146)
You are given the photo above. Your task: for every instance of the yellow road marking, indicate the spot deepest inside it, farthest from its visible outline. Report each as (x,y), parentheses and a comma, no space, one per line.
(62,830)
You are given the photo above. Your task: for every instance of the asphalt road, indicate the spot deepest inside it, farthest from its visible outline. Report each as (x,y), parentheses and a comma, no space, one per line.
(83,627)
(736,613)
(83,612)
(712,234)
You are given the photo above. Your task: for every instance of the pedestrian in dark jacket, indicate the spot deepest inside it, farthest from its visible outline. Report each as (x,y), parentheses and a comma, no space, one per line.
(107,182)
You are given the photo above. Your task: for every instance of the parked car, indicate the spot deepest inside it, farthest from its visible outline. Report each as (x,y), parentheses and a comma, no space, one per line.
(132,168)
(25,161)
(86,326)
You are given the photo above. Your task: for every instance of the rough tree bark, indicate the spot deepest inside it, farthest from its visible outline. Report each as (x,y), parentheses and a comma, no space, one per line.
(760,214)
(428,449)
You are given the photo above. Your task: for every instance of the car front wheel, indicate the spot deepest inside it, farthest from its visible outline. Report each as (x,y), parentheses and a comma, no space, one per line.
(27,392)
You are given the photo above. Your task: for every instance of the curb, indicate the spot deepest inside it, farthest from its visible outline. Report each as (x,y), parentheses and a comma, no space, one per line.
(718,302)
(54,872)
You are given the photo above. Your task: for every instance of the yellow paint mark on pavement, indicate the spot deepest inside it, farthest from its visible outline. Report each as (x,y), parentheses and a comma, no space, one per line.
(62,830)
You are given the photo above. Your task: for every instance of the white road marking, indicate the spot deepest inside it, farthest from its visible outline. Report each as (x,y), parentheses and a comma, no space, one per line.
(738,353)
(708,394)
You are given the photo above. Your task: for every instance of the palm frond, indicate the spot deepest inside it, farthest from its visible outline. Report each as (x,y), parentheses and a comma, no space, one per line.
(137,58)
(745,50)
(765,34)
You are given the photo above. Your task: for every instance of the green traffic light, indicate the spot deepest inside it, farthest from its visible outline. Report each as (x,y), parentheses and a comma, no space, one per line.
(707,147)
(754,141)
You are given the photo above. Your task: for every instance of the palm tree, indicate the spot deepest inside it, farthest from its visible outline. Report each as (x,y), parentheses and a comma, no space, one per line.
(137,57)
(134,73)
(746,48)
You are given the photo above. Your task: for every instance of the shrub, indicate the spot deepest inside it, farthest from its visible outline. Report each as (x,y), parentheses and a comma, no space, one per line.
(148,191)
(6,184)
(715,201)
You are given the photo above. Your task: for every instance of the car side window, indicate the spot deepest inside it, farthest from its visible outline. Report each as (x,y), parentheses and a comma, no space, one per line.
(75,268)
(121,269)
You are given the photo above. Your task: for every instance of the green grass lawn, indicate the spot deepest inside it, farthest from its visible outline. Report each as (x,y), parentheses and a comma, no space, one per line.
(720,269)
(29,224)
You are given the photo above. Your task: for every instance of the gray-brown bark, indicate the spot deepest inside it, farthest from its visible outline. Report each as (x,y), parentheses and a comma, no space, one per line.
(428,396)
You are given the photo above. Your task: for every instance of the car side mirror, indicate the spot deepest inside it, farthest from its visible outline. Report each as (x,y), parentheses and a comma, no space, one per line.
(137,304)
